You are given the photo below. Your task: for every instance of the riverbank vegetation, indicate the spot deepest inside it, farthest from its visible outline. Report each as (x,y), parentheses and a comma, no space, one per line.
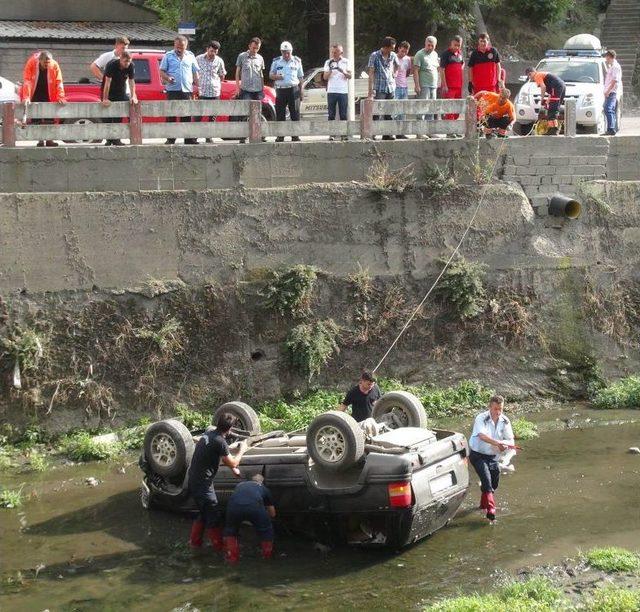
(524,430)
(613,559)
(624,393)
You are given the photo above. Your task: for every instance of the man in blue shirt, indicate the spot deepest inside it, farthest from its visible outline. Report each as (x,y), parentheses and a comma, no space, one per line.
(250,501)
(286,74)
(382,67)
(492,434)
(179,73)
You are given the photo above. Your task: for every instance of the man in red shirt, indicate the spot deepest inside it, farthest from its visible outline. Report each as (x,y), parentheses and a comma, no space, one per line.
(451,72)
(485,71)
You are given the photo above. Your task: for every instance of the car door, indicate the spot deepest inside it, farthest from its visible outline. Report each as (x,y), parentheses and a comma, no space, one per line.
(314,102)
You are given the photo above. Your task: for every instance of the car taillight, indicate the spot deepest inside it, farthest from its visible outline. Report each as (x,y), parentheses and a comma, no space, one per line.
(400,494)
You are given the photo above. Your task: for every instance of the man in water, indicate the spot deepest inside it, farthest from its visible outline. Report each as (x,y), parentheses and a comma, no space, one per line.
(211,448)
(492,434)
(250,501)
(362,397)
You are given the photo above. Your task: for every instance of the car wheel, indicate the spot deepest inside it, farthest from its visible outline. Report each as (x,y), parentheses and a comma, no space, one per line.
(244,416)
(335,441)
(168,447)
(522,129)
(400,409)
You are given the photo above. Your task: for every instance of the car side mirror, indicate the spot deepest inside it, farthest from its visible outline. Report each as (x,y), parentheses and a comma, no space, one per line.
(523,78)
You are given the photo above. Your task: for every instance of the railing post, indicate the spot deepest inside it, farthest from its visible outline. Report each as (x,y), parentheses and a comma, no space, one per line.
(255,121)
(135,124)
(471,118)
(366,119)
(9,124)
(570,117)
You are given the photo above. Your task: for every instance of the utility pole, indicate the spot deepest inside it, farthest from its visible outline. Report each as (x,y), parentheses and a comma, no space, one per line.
(341,24)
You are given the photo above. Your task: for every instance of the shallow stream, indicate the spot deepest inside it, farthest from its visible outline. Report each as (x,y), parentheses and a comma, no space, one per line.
(76,547)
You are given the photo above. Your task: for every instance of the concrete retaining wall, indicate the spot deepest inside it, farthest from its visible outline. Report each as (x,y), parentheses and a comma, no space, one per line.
(541,165)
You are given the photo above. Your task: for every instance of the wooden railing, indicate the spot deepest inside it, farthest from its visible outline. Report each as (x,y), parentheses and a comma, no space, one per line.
(85,121)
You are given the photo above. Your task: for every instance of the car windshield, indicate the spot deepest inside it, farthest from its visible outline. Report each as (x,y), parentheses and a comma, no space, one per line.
(572,72)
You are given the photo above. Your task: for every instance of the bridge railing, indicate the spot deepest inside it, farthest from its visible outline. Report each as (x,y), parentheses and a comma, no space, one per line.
(88,121)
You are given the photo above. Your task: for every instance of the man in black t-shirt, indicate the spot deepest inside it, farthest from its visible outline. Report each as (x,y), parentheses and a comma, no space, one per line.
(250,501)
(362,397)
(210,450)
(117,73)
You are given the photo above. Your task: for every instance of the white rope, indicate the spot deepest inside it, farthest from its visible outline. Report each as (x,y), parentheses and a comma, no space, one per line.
(446,265)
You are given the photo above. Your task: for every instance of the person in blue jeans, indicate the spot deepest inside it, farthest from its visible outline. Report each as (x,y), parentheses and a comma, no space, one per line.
(404,70)
(250,501)
(337,75)
(612,91)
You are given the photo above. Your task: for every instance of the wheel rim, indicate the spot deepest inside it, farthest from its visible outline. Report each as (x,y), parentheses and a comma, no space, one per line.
(330,444)
(163,450)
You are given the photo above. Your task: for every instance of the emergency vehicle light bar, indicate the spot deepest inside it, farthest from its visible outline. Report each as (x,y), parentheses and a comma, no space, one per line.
(573,53)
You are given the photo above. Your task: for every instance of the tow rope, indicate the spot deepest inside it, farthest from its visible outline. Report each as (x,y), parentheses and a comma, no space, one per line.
(446,265)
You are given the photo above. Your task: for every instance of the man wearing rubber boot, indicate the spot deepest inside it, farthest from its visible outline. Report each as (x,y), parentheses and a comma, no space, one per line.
(555,88)
(491,434)
(211,448)
(250,501)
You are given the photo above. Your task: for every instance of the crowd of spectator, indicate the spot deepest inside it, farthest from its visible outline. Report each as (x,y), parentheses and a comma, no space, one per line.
(186,76)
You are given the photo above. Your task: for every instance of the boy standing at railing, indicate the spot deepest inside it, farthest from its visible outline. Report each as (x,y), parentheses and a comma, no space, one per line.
(404,70)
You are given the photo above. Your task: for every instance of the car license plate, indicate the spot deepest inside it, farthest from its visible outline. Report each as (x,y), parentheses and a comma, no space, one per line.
(441,483)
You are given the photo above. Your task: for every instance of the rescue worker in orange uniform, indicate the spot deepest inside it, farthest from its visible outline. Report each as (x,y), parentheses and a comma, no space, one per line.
(42,82)
(497,110)
(554,87)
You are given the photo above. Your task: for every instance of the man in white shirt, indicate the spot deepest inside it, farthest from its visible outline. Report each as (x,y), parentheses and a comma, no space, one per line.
(612,91)
(492,434)
(98,65)
(337,74)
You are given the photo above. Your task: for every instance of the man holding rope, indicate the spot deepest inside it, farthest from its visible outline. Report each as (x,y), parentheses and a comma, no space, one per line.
(492,434)
(552,86)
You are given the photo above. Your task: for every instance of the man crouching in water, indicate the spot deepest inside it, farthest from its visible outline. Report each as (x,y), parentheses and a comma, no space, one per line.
(491,434)
(211,448)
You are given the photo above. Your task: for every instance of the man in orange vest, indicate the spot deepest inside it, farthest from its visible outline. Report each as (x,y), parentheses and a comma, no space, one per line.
(42,82)
(497,110)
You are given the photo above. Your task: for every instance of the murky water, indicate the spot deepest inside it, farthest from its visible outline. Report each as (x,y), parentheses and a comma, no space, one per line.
(97,549)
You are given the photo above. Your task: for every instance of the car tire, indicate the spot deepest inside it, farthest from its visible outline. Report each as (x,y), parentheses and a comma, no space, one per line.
(400,409)
(522,129)
(168,447)
(245,417)
(335,441)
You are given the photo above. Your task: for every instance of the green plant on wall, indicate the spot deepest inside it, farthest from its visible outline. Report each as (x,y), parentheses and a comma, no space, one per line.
(25,348)
(462,288)
(290,291)
(311,345)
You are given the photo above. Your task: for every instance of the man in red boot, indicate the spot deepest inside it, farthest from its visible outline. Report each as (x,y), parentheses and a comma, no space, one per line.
(250,501)
(210,450)
(491,434)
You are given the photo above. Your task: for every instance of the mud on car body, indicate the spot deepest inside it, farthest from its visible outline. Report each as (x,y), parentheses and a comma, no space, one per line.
(397,479)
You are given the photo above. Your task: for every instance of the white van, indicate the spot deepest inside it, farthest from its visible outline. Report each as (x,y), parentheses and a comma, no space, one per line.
(580,64)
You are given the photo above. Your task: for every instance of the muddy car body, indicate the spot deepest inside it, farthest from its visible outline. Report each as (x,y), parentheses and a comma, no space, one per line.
(407,482)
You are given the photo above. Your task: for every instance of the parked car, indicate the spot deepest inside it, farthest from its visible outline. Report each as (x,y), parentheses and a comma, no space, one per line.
(314,103)
(395,478)
(149,86)
(581,66)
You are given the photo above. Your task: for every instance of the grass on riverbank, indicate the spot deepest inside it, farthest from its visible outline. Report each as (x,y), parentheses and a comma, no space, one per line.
(624,393)
(613,559)
(524,430)
(11,498)
(536,594)
(613,598)
(81,446)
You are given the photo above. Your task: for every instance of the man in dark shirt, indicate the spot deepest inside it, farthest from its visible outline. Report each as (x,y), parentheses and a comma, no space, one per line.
(552,86)
(117,73)
(251,501)
(210,450)
(362,397)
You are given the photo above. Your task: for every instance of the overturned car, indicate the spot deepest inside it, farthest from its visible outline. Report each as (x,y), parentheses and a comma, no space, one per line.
(390,477)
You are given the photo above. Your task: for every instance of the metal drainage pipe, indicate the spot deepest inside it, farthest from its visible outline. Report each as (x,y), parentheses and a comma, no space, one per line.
(564,206)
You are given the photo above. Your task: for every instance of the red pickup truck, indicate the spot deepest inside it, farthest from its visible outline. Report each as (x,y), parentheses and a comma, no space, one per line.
(150,87)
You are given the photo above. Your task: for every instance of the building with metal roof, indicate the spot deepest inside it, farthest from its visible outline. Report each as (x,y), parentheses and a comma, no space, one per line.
(75,31)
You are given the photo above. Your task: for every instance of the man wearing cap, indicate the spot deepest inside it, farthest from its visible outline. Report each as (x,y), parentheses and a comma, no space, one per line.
(212,70)
(362,397)
(554,87)
(492,434)
(286,74)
